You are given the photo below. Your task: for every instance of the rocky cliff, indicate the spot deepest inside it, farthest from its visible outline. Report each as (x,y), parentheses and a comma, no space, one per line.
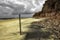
(51,9)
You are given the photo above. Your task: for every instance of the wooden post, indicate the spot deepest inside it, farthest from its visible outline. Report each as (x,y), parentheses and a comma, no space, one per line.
(20,23)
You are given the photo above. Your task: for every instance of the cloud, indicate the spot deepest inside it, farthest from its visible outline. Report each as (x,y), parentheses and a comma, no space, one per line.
(29,5)
(20,6)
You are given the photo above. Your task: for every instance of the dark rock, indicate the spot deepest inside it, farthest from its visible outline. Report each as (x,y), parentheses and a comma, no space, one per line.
(51,9)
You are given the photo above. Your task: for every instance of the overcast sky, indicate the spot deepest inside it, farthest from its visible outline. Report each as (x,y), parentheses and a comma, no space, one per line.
(10,8)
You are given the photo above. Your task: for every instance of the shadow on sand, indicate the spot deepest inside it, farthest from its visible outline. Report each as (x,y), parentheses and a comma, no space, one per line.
(38,33)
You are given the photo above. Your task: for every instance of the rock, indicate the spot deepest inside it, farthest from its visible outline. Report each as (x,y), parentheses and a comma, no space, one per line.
(51,9)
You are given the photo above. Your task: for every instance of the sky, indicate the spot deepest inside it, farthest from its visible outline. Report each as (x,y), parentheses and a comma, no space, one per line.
(11,8)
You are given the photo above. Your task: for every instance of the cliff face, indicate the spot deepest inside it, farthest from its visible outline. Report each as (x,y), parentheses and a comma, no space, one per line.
(51,5)
(51,9)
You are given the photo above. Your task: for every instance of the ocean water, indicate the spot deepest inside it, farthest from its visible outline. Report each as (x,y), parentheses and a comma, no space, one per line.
(16,16)
(27,15)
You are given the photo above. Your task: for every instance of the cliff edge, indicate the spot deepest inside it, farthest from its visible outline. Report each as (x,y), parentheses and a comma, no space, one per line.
(51,9)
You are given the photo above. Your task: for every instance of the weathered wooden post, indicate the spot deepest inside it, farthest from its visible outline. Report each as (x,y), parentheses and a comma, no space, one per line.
(20,24)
